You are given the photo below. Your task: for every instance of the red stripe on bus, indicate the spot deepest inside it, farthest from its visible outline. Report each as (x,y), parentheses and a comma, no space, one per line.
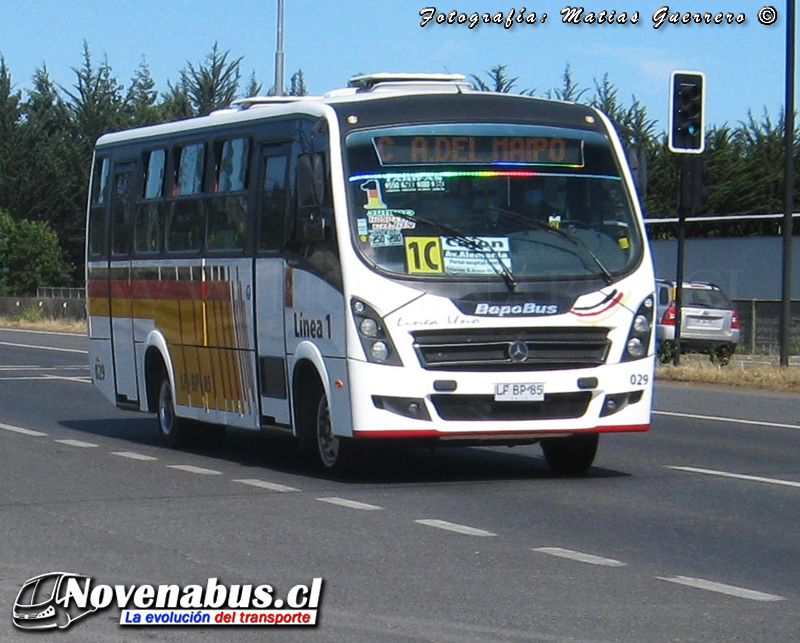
(431,433)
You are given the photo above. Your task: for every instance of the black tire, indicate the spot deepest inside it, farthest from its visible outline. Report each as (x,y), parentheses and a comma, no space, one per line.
(721,356)
(572,455)
(171,428)
(336,454)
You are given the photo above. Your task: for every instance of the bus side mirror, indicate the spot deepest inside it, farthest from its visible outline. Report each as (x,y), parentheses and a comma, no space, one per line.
(310,180)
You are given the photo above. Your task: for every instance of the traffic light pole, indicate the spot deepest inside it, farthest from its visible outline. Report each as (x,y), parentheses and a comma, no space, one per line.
(686,136)
(676,359)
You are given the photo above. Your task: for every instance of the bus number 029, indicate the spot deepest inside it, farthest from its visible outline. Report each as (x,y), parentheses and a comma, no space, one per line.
(639,379)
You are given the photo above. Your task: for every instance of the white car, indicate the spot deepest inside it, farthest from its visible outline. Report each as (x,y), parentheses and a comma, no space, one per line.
(709,324)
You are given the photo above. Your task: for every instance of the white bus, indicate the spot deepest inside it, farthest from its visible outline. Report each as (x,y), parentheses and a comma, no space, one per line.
(405,259)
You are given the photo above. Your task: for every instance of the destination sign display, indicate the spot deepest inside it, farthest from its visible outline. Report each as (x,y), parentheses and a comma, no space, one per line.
(479,150)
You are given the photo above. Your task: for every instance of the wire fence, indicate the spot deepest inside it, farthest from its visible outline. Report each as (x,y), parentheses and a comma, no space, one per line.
(61,293)
(760,326)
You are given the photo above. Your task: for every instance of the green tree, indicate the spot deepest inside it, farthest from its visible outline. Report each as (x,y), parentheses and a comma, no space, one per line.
(141,99)
(213,83)
(253,88)
(10,117)
(176,103)
(49,188)
(96,101)
(297,84)
(569,90)
(30,256)
(497,81)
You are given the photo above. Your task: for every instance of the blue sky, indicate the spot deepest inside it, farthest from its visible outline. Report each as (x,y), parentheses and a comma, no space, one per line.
(330,40)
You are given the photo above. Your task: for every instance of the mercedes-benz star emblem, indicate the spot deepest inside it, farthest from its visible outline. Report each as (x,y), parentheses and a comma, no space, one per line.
(518,352)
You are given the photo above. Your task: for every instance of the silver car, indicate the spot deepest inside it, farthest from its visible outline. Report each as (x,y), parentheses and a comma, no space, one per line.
(709,324)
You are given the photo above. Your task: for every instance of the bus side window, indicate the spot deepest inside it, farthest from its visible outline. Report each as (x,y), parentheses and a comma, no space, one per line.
(227,207)
(273,201)
(97,210)
(314,213)
(186,224)
(150,212)
(122,209)
(314,236)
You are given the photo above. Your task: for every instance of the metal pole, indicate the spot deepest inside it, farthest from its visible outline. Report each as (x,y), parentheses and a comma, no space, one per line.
(676,358)
(277,89)
(788,199)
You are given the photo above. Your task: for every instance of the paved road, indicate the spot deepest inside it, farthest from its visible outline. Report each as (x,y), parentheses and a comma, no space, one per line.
(687,533)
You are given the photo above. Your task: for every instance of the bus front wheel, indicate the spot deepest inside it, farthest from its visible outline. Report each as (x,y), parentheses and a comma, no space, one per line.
(335,453)
(572,455)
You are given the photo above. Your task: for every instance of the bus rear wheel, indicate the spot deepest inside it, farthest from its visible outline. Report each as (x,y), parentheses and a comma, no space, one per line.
(572,455)
(172,429)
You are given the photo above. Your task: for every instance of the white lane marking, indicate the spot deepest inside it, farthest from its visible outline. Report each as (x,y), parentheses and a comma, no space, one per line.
(452,526)
(263,484)
(716,418)
(19,429)
(352,504)
(66,367)
(721,588)
(189,468)
(738,476)
(82,380)
(78,443)
(45,348)
(131,455)
(40,332)
(580,556)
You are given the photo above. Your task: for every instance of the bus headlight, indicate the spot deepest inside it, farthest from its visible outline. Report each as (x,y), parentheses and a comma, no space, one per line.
(379,351)
(641,324)
(635,347)
(375,340)
(641,329)
(368,327)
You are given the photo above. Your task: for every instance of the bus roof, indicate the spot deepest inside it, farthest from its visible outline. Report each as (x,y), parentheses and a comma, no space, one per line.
(362,88)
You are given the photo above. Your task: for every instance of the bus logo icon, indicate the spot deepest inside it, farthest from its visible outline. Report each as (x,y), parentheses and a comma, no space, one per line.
(518,352)
(42,604)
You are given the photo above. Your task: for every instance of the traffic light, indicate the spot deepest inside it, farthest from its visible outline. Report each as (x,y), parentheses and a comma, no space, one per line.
(686,112)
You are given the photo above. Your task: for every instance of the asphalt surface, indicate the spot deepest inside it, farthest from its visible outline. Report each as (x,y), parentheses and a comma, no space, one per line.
(686,533)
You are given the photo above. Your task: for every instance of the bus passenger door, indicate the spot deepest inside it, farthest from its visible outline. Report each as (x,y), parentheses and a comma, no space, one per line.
(273,201)
(119,274)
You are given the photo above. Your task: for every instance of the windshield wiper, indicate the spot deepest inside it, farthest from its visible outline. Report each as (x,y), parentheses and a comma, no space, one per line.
(538,225)
(472,243)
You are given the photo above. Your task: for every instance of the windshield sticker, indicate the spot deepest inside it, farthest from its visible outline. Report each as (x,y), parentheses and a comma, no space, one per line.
(385,220)
(424,255)
(379,215)
(479,256)
(374,197)
(385,238)
(423,183)
(361,227)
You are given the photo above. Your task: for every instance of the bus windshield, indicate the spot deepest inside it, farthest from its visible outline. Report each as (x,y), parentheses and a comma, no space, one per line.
(463,201)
